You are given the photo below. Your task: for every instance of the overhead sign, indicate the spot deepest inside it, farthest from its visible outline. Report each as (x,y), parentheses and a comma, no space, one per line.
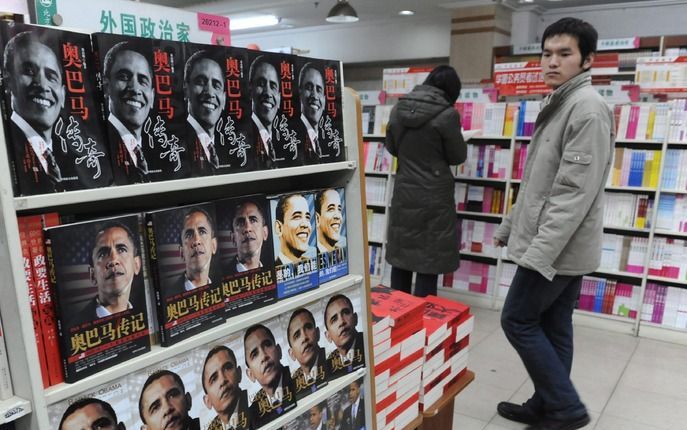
(520,78)
(134,19)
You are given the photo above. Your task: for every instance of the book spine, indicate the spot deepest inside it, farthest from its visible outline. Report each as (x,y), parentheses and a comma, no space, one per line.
(45,292)
(151,243)
(24,226)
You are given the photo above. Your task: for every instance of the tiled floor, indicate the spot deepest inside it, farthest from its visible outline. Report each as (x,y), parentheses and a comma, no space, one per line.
(626,382)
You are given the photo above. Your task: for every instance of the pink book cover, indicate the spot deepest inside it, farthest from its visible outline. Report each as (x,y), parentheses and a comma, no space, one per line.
(475,279)
(523,159)
(659,305)
(486,201)
(466,116)
(632,122)
(491,170)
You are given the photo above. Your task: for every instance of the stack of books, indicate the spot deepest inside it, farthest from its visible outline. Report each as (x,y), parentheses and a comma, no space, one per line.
(399,343)
(448,325)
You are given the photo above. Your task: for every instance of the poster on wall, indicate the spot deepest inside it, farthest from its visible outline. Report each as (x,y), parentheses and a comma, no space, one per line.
(133,19)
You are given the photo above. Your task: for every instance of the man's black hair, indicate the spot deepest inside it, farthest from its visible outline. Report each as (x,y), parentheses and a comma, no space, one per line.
(112,54)
(293,316)
(115,224)
(319,198)
(308,66)
(446,79)
(253,329)
(18,41)
(332,300)
(281,205)
(198,209)
(585,34)
(215,350)
(152,378)
(260,59)
(242,203)
(196,57)
(81,403)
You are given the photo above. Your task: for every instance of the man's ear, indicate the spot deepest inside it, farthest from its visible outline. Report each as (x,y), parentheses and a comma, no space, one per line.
(206,401)
(91,274)
(189,401)
(355,319)
(279,352)
(214,245)
(277,228)
(587,64)
(317,334)
(265,232)
(250,375)
(291,354)
(106,86)
(181,252)
(64,94)
(326,335)
(137,264)
(238,374)
(317,219)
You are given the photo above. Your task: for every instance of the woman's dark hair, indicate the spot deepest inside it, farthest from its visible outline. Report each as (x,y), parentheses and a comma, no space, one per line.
(445,78)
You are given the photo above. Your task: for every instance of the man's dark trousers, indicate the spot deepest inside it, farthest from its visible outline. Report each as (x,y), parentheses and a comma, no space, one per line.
(537,320)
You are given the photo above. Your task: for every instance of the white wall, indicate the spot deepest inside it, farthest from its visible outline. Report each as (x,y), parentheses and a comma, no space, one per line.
(362,42)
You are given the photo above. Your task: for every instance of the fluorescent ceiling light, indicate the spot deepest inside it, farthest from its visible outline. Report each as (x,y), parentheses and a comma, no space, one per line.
(245,23)
(406,12)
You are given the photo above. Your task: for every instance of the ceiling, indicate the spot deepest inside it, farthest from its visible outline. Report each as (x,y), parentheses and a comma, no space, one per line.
(309,13)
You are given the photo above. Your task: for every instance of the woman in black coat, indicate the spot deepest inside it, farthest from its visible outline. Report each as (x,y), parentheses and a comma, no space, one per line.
(424,133)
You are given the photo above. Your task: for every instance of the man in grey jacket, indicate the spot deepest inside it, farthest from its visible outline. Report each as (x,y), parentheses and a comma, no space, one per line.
(554,231)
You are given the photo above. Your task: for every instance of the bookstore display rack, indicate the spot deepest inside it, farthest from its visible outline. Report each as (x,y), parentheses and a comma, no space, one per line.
(29,408)
(641,284)
(379,180)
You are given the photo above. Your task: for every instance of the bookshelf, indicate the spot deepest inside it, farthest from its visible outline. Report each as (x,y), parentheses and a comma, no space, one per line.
(29,409)
(650,236)
(379,177)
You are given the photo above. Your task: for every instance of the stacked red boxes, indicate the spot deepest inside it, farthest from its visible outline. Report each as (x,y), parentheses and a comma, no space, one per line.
(448,325)
(399,350)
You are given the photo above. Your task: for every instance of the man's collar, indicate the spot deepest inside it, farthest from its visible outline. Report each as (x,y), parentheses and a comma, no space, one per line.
(101,311)
(121,128)
(200,131)
(312,134)
(582,79)
(264,133)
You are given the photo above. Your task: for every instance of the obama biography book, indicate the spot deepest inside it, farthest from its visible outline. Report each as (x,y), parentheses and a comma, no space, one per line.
(294,242)
(330,220)
(143,107)
(96,268)
(275,110)
(244,234)
(319,86)
(184,259)
(55,137)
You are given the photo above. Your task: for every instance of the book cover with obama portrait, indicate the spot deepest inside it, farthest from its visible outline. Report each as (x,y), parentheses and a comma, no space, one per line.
(271,391)
(275,110)
(103,406)
(304,348)
(319,86)
(96,270)
(223,385)
(343,326)
(184,257)
(55,136)
(330,220)
(294,240)
(143,108)
(247,258)
(168,394)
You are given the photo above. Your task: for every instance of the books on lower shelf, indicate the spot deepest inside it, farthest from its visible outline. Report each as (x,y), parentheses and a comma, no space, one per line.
(519,159)
(471,276)
(376,226)
(635,168)
(507,274)
(375,190)
(478,237)
(376,260)
(485,161)
(377,158)
(665,305)
(628,210)
(642,121)
(669,258)
(623,253)
(672,213)
(494,119)
(674,175)
(480,199)
(608,296)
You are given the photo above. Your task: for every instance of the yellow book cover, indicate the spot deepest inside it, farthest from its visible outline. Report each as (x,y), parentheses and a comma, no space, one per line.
(651,122)
(655,170)
(648,168)
(617,166)
(510,117)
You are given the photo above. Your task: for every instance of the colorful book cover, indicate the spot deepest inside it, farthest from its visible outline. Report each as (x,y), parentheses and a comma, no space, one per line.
(244,237)
(96,268)
(351,406)
(321,116)
(184,258)
(224,382)
(271,392)
(167,395)
(142,107)
(295,243)
(344,332)
(275,110)
(56,139)
(330,221)
(106,406)
(317,417)
(306,353)
(23,223)
(45,293)
(393,308)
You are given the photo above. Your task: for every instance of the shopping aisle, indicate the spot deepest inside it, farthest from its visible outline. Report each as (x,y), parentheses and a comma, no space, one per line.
(626,382)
